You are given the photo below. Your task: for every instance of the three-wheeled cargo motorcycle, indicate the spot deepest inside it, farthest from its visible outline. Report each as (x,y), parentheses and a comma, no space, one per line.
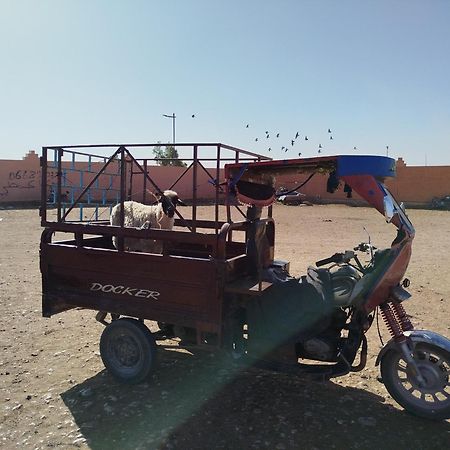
(217,284)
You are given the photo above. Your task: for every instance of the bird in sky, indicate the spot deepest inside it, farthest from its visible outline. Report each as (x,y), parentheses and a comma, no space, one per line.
(320,145)
(306,138)
(286,150)
(270,149)
(329,131)
(300,154)
(278,134)
(354,148)
(193,115)
(331,138)
(256,139)
(296,135)
(292,142)
(319,151)
(246,126)
(282,148)
(267,136)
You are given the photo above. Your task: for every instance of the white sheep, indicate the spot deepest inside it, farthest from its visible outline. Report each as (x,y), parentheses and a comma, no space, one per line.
(137,215)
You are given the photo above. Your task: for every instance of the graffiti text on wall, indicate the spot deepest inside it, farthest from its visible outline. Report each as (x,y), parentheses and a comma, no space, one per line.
(20,179)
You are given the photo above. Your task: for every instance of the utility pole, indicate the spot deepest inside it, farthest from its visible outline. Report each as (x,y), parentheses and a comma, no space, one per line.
(173,117)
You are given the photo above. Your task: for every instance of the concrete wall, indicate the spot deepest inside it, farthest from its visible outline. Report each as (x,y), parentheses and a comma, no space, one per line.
(412,185)
(164,177)
(20,182)
(420,184)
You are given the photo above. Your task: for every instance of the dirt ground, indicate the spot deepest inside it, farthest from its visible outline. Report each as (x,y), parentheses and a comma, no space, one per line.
(55,392)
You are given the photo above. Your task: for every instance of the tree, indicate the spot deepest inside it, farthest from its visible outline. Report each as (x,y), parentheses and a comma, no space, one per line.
(167,156)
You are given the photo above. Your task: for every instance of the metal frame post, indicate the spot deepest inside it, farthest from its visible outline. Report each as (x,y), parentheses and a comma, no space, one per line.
(194,189)
(217,189)
(43,164)
(123,174)
(59,178)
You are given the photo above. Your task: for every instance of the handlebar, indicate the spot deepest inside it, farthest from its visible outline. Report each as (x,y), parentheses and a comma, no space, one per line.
(337,258)
(347,256)
(364,247)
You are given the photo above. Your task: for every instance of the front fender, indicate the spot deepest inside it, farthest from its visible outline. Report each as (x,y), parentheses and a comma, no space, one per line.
(418,336)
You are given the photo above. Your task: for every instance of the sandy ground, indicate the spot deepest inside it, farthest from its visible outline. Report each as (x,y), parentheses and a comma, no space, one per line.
(55,392)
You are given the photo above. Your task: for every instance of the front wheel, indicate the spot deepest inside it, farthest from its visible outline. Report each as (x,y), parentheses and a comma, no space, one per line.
(128,350)
(430,399)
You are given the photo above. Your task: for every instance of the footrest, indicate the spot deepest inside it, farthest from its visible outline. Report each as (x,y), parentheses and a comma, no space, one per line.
(249,286)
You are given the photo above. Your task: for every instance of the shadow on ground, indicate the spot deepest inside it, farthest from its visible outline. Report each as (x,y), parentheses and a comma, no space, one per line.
(204,401)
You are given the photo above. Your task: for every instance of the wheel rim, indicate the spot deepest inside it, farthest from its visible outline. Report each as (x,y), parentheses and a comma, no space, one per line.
(434,366)
(124,352)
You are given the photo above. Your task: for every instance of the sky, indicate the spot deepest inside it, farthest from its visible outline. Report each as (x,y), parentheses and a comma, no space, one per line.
(376,73)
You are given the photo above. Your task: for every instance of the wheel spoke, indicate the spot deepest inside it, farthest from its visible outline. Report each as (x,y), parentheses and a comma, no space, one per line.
(431,398)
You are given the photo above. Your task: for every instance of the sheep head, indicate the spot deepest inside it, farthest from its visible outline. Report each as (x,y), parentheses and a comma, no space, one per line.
(169,200)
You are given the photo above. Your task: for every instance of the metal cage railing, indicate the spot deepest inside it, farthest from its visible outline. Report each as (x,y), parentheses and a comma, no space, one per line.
(109,175)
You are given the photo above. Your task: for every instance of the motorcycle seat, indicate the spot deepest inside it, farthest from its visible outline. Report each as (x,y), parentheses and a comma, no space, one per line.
(321,280)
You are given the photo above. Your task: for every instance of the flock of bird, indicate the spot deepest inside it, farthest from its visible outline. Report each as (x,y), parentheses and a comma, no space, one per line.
(293,141)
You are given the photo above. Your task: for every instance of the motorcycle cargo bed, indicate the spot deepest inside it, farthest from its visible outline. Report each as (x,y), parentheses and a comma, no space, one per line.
(166,288)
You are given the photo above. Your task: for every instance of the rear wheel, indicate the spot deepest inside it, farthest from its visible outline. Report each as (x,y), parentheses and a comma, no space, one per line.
(430,399)
(128,350)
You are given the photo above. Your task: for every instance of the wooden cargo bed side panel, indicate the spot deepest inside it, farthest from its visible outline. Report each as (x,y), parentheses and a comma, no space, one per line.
(175,289)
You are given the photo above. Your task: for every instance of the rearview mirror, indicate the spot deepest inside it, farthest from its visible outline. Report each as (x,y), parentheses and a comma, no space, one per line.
(389,208)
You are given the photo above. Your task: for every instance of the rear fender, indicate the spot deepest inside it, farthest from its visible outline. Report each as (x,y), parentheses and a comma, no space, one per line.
(418,336)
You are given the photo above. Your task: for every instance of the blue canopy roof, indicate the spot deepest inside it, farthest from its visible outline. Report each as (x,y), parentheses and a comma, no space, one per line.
(344,165)
(378,166)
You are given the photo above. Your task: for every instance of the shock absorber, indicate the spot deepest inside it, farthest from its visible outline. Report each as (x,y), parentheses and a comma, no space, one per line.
(390,320)
(401,316)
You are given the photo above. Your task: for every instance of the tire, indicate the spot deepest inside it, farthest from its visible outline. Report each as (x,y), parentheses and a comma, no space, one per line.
(128,350)
(431,401)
